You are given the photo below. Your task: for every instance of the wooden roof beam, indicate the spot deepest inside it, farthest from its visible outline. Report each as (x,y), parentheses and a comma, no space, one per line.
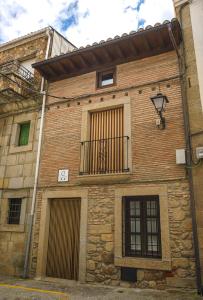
(119,51)
(83,61)
(161,41)
(63,68)
(50,70)
(72,64)
(107,54)
(146,43)
(96,59)
(133,48)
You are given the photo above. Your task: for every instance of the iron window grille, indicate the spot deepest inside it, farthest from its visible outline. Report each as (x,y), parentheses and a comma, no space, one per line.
(14,210)
(16,68)
(104,156)
(141,230)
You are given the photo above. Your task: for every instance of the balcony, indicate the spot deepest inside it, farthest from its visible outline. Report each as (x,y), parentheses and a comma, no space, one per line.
(16,82)
(105,156)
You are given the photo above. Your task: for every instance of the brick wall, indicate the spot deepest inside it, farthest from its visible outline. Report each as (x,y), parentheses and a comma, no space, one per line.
(153,160)
(153,150)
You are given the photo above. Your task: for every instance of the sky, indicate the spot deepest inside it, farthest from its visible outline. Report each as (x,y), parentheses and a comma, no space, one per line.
(82,22)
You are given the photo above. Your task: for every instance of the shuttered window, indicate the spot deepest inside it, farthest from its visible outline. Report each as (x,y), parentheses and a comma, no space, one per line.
(106,141)
(24,134)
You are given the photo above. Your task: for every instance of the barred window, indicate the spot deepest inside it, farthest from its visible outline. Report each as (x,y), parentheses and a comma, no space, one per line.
(141,228)
(14,210)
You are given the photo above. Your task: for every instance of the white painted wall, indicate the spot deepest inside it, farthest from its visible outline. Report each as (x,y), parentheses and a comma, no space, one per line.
(196,12)
(60,45)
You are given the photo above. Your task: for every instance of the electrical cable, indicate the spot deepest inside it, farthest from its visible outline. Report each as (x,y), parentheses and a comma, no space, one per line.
(33,90)
(195,165)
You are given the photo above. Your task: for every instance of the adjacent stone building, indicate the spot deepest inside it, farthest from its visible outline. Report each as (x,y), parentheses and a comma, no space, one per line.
(190,14)
(20,112)
(113,200)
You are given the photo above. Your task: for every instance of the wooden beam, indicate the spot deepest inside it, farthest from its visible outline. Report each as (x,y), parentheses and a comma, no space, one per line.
(50,70)
(95,57)
(119,51)
(72,64)
(132,47)
(83,61)
(161,40)
(63,68)
(107,54)
(146,43)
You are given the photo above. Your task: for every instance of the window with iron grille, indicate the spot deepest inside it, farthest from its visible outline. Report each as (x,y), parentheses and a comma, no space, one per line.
(141,226)
(106,151)
(24,134)
(14,210)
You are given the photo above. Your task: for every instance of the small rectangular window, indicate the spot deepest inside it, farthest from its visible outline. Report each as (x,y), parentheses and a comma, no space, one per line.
(106,78)
(24,134)
(142,226)
(128,274)
(14,210)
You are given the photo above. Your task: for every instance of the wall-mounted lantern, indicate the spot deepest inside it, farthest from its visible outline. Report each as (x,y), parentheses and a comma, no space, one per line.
(159,101)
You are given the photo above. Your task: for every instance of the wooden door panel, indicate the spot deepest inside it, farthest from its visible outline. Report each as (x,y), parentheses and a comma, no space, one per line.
(64,236)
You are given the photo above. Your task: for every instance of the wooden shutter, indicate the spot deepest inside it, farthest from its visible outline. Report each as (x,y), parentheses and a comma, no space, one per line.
(24,134)
(63,243)
(106,141)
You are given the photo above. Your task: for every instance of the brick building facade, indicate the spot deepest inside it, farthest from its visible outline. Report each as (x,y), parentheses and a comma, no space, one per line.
(124,212)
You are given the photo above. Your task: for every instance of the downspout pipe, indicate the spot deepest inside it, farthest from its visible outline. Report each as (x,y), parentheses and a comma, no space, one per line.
(32,212)
(182,64)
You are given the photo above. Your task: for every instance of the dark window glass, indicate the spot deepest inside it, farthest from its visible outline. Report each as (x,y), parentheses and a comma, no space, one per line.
(142,226)
(24,134)
(106,78)
(14,210)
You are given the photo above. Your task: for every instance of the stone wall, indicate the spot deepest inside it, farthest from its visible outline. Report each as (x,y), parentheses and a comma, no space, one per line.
(100,264)
(100,256)
(16,180)
(191,85)
(17,164)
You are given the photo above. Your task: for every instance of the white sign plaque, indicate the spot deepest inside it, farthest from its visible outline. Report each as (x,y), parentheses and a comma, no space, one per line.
(63,175)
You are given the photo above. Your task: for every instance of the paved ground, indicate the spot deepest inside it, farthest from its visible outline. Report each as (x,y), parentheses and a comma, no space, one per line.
(18,289)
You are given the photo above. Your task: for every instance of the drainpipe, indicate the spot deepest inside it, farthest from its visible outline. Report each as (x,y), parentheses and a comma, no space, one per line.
(182,67)
(31,216)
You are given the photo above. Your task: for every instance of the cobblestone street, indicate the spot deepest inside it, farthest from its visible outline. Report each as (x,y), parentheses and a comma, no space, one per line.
(18,289)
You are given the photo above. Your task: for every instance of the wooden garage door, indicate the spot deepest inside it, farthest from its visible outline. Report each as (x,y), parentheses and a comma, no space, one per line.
(63,242)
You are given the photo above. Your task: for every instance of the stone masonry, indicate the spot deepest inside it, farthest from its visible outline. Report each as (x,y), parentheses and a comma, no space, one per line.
(17,166)
(191,86)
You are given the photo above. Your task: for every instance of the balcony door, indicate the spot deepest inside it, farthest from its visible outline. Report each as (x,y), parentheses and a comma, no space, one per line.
(106,144)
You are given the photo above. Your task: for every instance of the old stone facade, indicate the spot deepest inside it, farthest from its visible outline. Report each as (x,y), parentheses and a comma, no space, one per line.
(152,171)
(190,15)
(19,104)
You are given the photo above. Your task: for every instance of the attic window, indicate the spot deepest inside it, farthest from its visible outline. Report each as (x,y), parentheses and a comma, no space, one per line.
(106,78)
